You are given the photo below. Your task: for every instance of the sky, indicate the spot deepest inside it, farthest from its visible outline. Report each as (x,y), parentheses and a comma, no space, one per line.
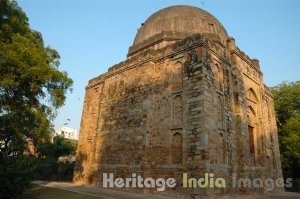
(93,35)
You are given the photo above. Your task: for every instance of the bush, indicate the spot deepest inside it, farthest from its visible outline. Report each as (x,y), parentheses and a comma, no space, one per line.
(296,185)
(65,171)
(51,169)
(47,169)
(16,175)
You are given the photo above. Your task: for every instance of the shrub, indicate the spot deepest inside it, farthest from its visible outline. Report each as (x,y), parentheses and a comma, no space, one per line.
(47,169)
(16,175)
(51,169)
(65,171)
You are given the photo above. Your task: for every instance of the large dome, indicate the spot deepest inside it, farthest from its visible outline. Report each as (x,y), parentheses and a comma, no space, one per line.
(179,20)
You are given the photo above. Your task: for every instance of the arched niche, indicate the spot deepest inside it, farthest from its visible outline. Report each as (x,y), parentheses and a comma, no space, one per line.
(177,111)
(219,77)
(177,77)
(176,148)
(252,96)
(221,149)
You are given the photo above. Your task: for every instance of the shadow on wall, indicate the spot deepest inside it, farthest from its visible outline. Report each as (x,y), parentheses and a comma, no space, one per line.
(135,121)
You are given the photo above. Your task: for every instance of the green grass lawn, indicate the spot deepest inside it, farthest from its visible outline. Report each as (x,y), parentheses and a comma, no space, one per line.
(40,192)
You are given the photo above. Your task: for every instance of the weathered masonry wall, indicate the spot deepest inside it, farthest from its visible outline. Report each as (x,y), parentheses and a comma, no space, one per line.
(193,107)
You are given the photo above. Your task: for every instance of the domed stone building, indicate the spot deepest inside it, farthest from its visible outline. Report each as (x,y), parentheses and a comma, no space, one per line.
(187,101)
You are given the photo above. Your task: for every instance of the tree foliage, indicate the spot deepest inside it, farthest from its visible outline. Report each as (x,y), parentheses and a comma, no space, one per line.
(287,106)
(59,147)
(32,88)
(287,101)
(16,176)
(31,85)
(49,166)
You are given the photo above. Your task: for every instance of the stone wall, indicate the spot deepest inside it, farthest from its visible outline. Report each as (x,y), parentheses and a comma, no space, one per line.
(193,107)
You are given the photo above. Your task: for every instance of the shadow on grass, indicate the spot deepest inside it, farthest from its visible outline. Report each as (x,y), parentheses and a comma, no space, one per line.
(41,192)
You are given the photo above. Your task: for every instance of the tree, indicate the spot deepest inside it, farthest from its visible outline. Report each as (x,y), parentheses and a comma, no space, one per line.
(287,101)
(59,147)
(31,90)
(31,85)
(287,106)
(49,166)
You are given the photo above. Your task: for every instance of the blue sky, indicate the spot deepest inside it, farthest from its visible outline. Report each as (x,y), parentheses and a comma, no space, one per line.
(93,35)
